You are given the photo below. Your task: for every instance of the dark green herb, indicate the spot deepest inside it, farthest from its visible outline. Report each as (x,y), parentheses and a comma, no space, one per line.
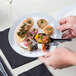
(31,34)
(23,25)
(28,40)
(34,29)
(40,37)
(19,33)
(25,31)
(42,21)
(29,21)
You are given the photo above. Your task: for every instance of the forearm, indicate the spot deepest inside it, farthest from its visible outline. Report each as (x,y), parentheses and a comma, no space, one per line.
(72,58)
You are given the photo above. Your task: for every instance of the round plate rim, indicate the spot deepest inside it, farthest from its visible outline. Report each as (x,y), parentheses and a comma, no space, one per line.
(60,34)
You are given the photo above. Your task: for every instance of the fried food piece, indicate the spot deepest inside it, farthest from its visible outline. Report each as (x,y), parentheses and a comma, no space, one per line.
(42,23)
(48,30)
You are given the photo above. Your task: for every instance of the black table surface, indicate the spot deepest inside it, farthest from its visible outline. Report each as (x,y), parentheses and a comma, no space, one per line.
(14,59)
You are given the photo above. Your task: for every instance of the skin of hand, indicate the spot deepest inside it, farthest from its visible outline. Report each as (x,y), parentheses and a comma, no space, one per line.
(68,27)
(59,58)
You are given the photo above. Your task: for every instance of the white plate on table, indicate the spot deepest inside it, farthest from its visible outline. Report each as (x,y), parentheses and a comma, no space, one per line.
(66,11)
(35,16)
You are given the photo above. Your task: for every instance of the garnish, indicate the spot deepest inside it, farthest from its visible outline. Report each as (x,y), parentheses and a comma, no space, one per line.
(18,33)
(31,34)
(42,21)
(34,29)
(29,21)
(28,40)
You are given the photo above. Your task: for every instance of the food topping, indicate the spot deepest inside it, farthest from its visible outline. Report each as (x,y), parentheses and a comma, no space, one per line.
(29,21)
(35,47)
(34,30)
(47,46)
(27,42)
(43,47)
(40,38)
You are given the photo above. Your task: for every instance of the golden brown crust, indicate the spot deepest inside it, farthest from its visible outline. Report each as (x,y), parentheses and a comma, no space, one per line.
(18,38)
(42,23)
(48,30)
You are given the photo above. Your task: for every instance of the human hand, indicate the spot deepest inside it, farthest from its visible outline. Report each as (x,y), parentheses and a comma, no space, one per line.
(68,24)
(58,58)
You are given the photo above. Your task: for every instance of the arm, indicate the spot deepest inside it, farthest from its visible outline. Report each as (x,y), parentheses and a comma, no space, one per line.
(72,58)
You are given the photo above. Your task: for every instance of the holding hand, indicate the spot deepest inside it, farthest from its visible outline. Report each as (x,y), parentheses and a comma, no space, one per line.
(58,58)
(68,24)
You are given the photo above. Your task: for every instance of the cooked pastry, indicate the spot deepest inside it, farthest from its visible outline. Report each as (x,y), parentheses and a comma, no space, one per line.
(42,23)
(48,30)
(29,22)
(23,28)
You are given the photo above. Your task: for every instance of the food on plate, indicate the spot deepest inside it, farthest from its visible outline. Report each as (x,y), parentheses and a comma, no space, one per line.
(30,48)
(25,35)
(30,35)
(41,38)
(48,30)
(23,28)
(27,42)
(20,35)
(35,47)
(42,23)
(29,22)
(34,30)
(43,47)
(47,46)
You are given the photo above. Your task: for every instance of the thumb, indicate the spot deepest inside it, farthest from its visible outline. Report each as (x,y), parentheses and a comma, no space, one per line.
(64,27)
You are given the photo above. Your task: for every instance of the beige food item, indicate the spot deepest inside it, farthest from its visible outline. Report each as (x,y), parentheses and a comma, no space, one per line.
(42,23)
(29,21)
(48,30)
(22,29)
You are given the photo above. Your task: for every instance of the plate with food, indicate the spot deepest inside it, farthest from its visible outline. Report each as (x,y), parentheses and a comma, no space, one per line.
(27,28)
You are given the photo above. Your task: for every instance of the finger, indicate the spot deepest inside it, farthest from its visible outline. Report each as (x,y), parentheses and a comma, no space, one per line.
(62,21)
(43,59)
(69,37)
(64,27)
(66,34)
(64,30)
(47,54)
